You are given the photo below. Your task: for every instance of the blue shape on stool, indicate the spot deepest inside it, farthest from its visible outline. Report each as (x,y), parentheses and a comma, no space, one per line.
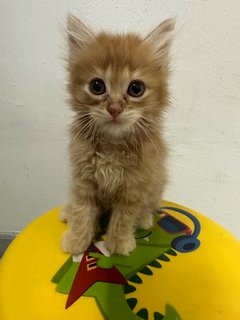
(185,243)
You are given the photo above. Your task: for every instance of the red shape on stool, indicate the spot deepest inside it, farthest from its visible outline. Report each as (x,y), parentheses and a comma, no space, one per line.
(88,273)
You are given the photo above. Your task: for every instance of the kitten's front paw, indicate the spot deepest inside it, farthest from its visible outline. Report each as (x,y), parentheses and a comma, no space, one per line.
(121,246)
(75,244)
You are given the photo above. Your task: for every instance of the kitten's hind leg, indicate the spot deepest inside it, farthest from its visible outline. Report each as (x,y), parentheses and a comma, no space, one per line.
(144,220)
(63,217)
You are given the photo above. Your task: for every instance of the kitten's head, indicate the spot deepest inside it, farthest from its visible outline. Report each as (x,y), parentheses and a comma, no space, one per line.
(118,83)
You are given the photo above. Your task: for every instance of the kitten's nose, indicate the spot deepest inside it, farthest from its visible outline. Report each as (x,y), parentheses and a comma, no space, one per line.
(115,108)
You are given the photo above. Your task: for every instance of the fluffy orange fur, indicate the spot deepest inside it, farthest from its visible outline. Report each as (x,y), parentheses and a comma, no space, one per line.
(118,163)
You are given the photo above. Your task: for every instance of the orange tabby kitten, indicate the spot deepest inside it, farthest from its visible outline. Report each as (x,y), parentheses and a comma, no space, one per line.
(119,89)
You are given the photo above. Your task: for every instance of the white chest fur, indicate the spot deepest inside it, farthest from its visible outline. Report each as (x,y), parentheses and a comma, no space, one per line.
(109,171)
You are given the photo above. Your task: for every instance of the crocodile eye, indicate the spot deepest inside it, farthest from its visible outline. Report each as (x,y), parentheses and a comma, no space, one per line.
(97,86)
(136,89)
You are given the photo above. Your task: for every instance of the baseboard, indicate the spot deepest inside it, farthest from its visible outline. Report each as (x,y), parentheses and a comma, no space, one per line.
(5,239)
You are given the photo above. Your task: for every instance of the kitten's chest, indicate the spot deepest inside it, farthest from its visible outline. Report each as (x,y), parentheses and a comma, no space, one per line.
(110,170)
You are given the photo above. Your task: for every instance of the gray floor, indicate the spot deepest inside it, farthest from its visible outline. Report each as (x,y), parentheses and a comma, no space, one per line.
(5,240)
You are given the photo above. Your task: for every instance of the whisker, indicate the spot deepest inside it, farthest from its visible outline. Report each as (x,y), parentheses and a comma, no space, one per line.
(86,127)
(81,118)
(149,123)
(78,123)
(139,136)
(150,137)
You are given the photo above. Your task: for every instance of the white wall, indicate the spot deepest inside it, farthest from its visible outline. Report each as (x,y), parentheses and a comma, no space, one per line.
(203,127)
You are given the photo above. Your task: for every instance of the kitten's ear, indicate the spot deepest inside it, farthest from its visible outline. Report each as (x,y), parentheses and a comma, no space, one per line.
(160,39)
(79,35)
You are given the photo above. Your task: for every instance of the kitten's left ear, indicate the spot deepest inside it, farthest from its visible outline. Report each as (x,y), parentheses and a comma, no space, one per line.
(160,39)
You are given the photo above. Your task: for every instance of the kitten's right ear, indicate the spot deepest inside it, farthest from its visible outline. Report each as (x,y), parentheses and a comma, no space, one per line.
(79,35)
(160,39)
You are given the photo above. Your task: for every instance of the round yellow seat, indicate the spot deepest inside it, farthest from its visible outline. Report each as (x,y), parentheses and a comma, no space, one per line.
(197,280)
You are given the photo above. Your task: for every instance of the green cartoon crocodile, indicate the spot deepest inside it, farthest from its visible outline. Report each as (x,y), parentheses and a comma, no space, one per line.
(96,274)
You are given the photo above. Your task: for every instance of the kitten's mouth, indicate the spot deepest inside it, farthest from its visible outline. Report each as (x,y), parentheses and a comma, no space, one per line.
(116,126)
(114,121)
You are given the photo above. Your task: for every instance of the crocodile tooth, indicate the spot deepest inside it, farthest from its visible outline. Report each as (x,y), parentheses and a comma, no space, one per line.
(135,279)
(146,271)
(132,302)
(163,257)
(129,288)
(155,264)
(171,252)
(143,313)
(158,316)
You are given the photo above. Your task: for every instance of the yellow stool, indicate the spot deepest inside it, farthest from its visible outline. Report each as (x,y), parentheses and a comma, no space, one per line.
(186,267)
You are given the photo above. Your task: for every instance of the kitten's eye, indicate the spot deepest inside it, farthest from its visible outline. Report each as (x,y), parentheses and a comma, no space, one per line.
(136,89)
(97,86)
